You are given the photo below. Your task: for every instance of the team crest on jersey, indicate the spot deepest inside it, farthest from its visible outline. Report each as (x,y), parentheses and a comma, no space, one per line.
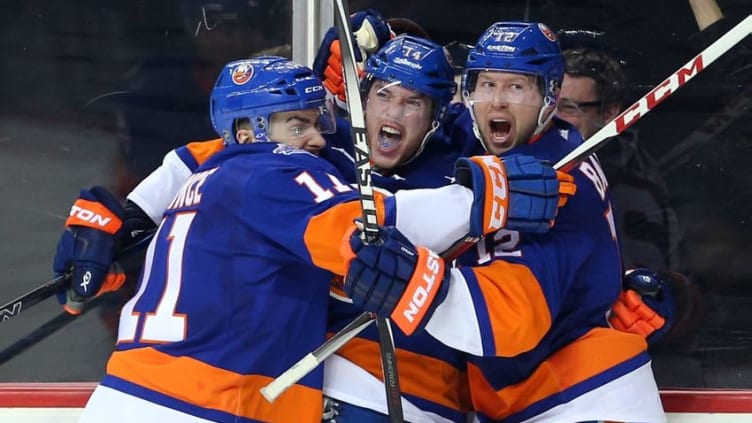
(242,73)
(288,150)
(547,32)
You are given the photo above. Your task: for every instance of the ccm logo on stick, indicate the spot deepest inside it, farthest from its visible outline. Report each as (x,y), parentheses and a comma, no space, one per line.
(420,292)
(659,93)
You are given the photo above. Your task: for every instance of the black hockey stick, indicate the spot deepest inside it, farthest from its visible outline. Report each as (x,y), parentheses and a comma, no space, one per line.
(63,318)
(33,297)
(615,127)
(37,295)
(43,331)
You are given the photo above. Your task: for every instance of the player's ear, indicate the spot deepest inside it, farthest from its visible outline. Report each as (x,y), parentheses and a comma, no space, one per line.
(242,136)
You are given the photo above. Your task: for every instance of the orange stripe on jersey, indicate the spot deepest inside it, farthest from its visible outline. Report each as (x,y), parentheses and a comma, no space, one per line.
(202,150)
(325,233)
(93,214)
(592,354)
(517,308)
(419,375)
(206,386)
(345,249)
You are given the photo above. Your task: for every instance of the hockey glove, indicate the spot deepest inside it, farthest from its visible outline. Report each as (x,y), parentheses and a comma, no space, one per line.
(645,306)
(515,192)
(370,32)
(394,279)
(97,226)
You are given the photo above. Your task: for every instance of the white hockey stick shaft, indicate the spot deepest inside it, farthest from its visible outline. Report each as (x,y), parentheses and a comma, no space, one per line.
(661,91)
(306,365)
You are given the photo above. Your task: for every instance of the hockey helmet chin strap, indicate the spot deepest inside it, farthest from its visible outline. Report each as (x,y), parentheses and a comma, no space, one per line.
(548,107)
(434,126)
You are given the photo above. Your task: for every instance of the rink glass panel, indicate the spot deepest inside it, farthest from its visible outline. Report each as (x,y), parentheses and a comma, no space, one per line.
(96,94)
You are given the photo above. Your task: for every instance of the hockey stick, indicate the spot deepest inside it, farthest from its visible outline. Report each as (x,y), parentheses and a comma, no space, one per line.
(657,94)
(35,296)
(41,332)
(615,127)
(63,318)
(312,360)
(367,204)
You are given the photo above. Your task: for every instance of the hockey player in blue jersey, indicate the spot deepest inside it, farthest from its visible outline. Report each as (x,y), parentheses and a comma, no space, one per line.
(530,309)
(407,87)
(219,279)
(235,283)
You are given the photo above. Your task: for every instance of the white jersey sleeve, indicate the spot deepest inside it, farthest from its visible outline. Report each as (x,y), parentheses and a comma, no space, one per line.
(155,192)
(434,218)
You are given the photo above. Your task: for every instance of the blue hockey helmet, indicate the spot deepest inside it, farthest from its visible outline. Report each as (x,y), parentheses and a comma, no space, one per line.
(519,47)
(255,89)
(417,64)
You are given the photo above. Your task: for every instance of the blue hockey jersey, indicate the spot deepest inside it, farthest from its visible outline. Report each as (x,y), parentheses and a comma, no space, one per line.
(531,310)
(432,376)
(235,287)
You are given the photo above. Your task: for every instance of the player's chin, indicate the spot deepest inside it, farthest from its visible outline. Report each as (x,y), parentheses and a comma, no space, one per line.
(385,161)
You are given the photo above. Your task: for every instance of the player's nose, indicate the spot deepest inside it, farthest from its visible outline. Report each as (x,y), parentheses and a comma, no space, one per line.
(315,143)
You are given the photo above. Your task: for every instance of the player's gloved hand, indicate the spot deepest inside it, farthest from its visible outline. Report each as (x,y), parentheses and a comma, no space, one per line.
(645,306)
(96,228)
(394,279)
(370,32)
(73,303)
(515,192)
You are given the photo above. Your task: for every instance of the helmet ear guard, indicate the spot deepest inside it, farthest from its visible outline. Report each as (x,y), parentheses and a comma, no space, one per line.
(255,89)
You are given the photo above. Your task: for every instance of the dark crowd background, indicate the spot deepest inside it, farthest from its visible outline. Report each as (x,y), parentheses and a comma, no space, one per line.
(96,92)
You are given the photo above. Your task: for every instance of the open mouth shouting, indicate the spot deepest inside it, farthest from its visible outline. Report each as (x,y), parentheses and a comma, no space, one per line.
(500,133)
(389,138)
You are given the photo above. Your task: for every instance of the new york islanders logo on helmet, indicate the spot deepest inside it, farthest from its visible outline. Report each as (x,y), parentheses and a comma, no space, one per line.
(547,32)
(242,73)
